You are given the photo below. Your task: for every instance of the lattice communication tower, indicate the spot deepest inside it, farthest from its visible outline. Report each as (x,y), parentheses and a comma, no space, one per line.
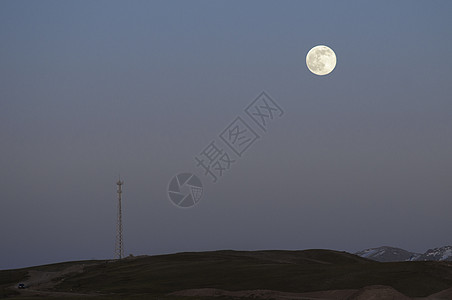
(119,246)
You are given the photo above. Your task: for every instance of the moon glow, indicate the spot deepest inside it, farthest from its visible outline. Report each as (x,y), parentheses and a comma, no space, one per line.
(321,60)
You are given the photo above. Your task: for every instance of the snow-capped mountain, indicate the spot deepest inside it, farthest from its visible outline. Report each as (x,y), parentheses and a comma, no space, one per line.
(442,253)
(388,254)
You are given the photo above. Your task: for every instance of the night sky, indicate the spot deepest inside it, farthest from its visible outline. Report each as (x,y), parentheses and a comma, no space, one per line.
(90,90)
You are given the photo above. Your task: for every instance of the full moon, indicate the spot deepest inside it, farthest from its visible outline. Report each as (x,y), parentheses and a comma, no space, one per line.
(321,60)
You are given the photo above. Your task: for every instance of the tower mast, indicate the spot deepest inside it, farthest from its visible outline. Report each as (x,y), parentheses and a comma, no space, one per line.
(119,246)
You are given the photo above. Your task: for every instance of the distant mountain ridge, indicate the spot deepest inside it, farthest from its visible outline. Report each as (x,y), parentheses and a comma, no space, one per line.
(437,254)
(392,254)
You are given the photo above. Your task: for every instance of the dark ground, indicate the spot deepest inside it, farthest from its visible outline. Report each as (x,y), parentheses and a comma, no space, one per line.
(155,277)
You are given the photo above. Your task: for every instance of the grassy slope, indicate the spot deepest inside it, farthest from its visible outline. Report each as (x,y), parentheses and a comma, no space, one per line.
(8,278)
(290,271)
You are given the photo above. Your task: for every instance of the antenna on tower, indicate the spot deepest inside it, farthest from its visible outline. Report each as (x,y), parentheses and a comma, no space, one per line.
(119,246)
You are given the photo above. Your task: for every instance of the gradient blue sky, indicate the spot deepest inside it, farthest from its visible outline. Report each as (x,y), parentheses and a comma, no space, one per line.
(91,89)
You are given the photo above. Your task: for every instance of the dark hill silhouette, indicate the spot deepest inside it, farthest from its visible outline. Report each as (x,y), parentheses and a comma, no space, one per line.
(270,272)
